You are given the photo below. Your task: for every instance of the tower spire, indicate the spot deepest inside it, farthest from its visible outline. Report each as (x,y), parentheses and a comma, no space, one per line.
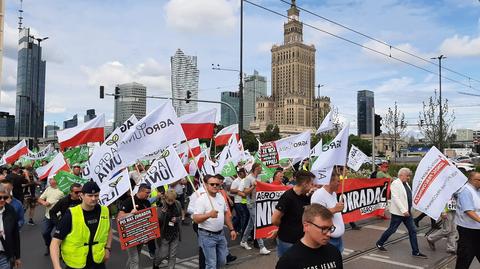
(20,16)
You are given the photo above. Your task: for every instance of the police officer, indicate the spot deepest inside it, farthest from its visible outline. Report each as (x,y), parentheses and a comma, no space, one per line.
(83,235)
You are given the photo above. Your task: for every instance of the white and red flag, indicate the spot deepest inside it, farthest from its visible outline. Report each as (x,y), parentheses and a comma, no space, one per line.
(13,154)
(50,169)
(199,124)
(91,131)
(183,149)
(224,135)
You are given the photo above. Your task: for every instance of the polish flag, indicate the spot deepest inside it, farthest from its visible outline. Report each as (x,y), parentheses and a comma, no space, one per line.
(185,154)
(199,124)
(50,169)
(13,154)
(91,131)
(222,137)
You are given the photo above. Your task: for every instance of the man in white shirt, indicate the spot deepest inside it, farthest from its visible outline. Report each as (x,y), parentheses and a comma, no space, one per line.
(210,214)
(327,197)
(468,221)
(401,204)
(240,202)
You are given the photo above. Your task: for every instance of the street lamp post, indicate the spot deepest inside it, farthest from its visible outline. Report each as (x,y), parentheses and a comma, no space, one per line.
(319,86)
(240,85)
(440,125)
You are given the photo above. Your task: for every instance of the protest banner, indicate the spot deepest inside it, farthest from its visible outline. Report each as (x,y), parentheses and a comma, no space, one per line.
(268,154)
(266,199)
(138,228)
(165,170)
(44,153)
(65,180)
(364,198)
(356,158)
(295,146)
(436,179)
(115,187)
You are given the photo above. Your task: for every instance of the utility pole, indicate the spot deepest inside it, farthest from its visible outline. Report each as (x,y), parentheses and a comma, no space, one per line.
(373,139)
(440,125)
(318,87)
(240,85)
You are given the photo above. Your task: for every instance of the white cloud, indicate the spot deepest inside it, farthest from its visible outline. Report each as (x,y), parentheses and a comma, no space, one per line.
(201,16)
(465,46)
(7,101)
(150,73)
(265,47)
(55,108)
(319,38)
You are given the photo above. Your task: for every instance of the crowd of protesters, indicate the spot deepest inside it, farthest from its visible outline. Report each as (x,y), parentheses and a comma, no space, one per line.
(77,230)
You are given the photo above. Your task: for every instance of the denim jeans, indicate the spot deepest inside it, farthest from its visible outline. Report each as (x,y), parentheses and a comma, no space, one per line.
(251,224)
(241,220)
(4,262)
(47,228)
(337,242)
(214,248)
(394,223)
(282,247)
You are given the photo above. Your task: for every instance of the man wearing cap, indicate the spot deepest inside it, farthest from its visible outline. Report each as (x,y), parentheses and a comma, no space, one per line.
(83,235)
(141,202)
(49,198)
(383,170)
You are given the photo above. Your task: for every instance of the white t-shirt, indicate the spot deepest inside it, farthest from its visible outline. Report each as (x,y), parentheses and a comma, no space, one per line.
(236,184)
(1,227)
(247,183)
(202,206)
(193,198)
(51,195)
(323,197)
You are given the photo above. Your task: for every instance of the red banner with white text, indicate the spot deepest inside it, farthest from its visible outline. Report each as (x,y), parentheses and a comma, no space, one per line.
(364,198)
(267,196)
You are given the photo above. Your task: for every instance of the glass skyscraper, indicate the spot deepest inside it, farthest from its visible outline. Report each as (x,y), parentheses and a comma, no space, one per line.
(227,117)
(184,78)
(365,104)
(30,98)
(255,86)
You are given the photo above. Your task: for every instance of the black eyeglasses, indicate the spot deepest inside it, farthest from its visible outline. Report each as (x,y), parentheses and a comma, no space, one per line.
(324,229)
(4,197)
(214,184)
(77,192)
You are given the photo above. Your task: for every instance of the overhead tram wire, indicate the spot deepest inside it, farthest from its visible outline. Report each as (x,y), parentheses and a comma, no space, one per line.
(382,42)
(363,46)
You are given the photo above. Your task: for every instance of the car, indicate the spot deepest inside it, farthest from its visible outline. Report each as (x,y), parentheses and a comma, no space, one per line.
(462,166)
(463,159)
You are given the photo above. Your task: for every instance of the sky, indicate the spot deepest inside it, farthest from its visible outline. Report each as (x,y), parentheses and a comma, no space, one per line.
(109,42)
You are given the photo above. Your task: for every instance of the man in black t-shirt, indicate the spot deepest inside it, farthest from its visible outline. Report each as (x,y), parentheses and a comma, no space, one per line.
(19,182)
(141,202)
(313,250)
(82,248)
(287,215)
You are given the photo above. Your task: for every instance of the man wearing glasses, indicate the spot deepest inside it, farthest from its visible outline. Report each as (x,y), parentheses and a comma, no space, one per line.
(468,222)
(210,214)
(71,200)
(313,250)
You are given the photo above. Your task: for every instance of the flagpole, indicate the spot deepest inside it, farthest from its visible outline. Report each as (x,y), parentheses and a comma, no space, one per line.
(200,175)
(131,195)
(343,181)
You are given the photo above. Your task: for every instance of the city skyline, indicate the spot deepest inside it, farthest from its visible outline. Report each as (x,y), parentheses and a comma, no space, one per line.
(110,59)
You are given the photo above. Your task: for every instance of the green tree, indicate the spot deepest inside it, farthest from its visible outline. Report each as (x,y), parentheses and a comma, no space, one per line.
(271,133)
(249,141)
(364,145)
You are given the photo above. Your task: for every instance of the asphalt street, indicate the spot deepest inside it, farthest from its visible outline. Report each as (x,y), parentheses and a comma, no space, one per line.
(360,251)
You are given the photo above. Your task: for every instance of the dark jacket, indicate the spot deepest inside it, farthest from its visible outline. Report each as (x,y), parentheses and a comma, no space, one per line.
(164,217)
(62,206)
(11,243)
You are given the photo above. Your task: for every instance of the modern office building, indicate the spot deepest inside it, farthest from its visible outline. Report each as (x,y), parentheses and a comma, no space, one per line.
(132,100)
(71,122)
(255,86)
(365,106)
(90,115)
(51,131)
(227,116)
(7,124)
(184,78)
(293,105)
(30,98)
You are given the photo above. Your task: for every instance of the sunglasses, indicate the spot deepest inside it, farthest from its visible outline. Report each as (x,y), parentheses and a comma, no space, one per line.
(77,192)
(324,229)
(4,197)
(214,184)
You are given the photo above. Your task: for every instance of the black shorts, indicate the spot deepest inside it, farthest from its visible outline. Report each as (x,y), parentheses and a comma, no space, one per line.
(30,201)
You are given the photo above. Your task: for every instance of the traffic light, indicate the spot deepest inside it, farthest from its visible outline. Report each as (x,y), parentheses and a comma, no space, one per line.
(117,92)
(102,92)
(189,95)
(378,124)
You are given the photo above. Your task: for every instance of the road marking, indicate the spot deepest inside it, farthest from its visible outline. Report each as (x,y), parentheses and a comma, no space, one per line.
(380,228)
(392,262)
(379,256)
(190,264)
(347,251)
